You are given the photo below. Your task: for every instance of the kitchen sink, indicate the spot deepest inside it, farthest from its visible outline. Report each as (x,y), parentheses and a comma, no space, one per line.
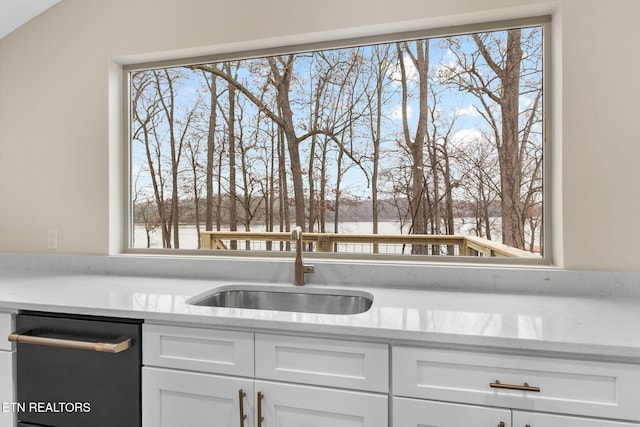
(280,298)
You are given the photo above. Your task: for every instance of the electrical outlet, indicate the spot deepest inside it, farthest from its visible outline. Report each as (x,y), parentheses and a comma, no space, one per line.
(52,240)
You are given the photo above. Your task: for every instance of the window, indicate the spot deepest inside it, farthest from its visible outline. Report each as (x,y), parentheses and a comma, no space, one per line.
(419,146)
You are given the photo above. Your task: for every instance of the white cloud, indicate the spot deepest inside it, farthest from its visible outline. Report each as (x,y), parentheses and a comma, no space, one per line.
(470,111)
(448,68)
(449,57)
(395,73)
(465,137)
(396,113)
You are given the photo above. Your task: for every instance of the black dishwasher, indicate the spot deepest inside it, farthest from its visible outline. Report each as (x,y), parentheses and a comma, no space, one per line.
(78,371)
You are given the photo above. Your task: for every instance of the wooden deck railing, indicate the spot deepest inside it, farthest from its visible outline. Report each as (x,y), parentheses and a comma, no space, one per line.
(328,242)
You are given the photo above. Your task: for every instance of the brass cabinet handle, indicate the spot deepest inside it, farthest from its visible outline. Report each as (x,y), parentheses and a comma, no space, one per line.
(524,387)
(25,337)
(243,416)
(260,417)
(501,424)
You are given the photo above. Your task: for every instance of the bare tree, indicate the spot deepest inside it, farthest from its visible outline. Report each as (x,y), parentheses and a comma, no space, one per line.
(494,74)
(440,212)
(381,66)
(211,146)
(145,111)
(194,184)
(143,207)
(177,132)
(251,179)
(479,182)
(415,143)
(281,74)
(231,144)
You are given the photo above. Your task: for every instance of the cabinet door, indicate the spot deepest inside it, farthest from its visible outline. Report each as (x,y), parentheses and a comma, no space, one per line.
(422,413)
(531,419)
(288,405)
(178,399)
(7,410)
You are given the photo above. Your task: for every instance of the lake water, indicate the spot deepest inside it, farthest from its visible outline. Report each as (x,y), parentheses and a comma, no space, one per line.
(189,236)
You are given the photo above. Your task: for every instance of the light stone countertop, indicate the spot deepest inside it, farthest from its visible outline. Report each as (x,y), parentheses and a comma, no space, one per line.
(590,326)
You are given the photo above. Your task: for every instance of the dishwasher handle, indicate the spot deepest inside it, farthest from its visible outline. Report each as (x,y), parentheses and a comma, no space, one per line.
(24,337)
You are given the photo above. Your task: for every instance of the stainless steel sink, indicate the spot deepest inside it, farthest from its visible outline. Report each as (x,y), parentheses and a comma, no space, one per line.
(325,301)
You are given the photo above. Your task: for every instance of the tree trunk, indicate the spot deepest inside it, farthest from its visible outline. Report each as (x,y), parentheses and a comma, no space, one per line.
(233,197)
(282,79)
(285,215)
(510,158)
(508,141)
(210,154)
(416,144)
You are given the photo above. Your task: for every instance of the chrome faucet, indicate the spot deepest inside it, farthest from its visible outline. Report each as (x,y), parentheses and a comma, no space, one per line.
(299,268)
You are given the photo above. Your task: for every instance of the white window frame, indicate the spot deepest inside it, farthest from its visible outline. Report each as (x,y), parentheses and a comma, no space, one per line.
(227,54)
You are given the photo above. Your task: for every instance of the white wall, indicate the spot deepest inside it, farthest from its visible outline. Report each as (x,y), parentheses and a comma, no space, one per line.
(60,138)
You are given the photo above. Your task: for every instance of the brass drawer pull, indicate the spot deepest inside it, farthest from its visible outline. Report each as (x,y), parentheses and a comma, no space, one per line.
(524,387)
(260,417)
(243,416)
(25,337)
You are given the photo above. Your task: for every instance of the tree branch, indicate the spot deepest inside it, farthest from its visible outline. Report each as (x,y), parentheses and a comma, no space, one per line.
(258,103)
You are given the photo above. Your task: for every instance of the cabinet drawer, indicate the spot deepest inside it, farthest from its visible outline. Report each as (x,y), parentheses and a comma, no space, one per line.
(344,364)
(600,389)
(6,327)
(422,413)
(196,349)
(532,419)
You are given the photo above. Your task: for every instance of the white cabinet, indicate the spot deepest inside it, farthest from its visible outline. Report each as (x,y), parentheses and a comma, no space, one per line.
(283,360)
(198,349)
(526,384)
(7,412)
(532,419)
(420,413)
(174,398)
(200,376)
(291,405)
(191,377)
(7,377)
(329,362)
(6,327)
